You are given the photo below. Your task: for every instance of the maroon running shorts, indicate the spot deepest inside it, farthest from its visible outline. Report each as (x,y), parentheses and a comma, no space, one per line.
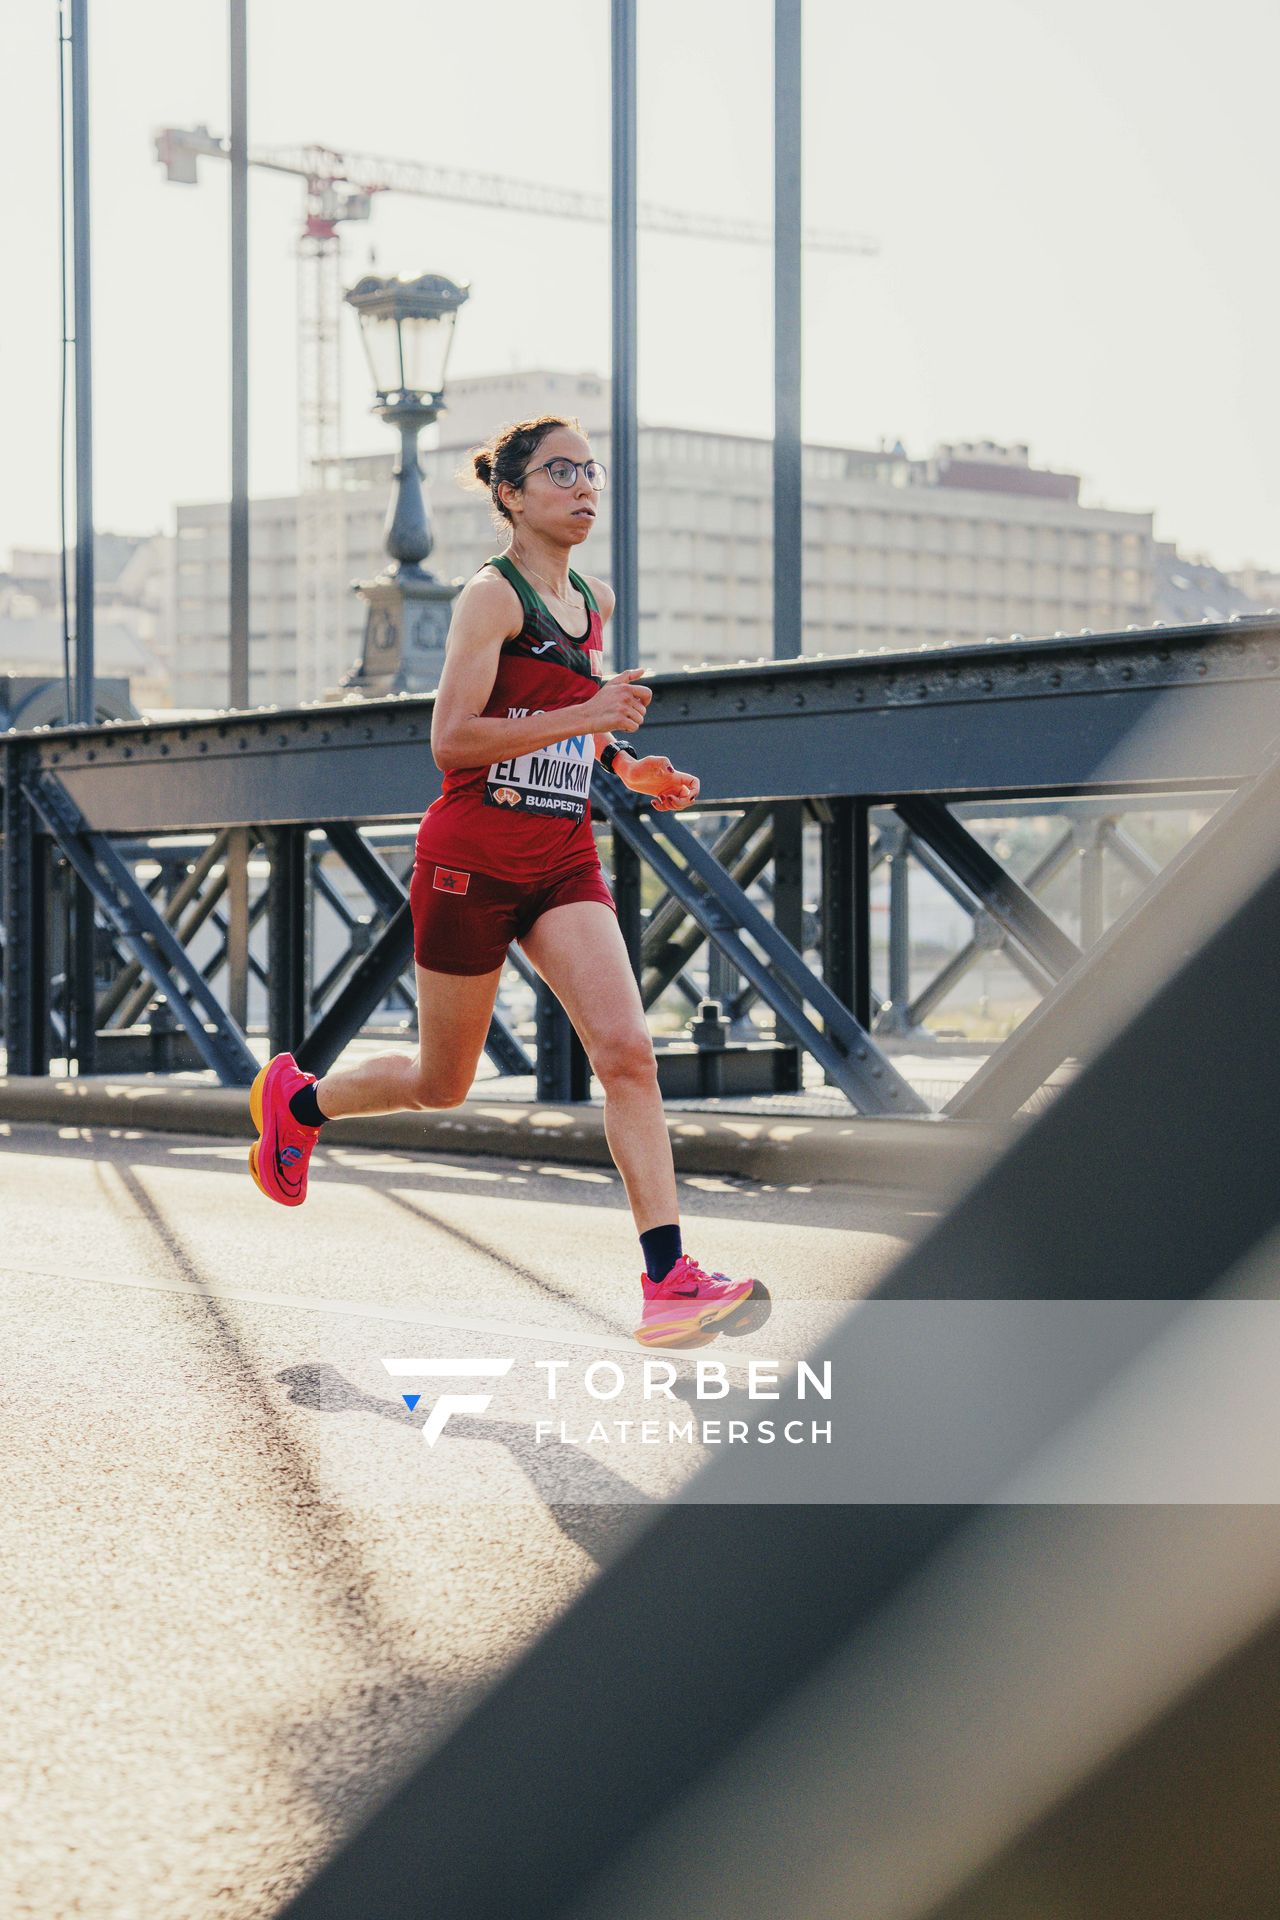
(463,921)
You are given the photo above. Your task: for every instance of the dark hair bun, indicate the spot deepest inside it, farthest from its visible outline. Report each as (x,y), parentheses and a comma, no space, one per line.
(483,463)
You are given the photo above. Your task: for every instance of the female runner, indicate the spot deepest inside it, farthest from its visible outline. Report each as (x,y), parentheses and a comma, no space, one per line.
(507,853)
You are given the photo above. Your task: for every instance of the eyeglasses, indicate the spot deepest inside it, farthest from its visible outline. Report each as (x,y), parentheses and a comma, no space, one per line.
(565,472)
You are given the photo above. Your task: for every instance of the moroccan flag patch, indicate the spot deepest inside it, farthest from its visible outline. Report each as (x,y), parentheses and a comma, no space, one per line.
(449,880)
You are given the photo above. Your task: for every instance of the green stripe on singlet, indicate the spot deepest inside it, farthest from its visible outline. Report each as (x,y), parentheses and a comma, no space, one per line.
(530,599)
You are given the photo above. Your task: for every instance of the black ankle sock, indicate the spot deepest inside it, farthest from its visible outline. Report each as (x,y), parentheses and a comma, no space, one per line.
(661,1248)
(305,1108)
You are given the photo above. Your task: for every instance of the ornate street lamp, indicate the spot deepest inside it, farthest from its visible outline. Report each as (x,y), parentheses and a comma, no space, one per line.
(407,330)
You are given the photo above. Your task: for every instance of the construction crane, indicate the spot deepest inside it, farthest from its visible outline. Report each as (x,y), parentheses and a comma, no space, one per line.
(340,188)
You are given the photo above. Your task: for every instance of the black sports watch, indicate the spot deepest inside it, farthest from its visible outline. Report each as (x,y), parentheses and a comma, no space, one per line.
(611,753)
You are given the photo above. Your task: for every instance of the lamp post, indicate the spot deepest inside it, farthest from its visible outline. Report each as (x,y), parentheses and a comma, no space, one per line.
(407,330)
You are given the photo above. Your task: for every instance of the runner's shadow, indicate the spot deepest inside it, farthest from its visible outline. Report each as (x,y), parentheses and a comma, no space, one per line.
(582,1495)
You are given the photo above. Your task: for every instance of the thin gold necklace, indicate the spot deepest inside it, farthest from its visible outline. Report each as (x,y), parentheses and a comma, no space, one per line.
(562,597)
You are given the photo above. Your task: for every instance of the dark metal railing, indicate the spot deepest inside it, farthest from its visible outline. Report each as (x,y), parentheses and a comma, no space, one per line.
(889,761)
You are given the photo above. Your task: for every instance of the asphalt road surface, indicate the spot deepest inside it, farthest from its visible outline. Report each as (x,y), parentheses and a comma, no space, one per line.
(239,1594)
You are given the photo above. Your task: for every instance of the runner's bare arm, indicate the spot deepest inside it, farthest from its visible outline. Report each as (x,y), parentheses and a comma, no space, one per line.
(486,613)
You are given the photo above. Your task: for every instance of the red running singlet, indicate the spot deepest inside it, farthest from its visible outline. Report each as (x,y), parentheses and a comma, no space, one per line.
(524,818)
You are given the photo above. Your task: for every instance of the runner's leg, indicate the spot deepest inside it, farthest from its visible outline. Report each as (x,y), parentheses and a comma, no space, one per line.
(453,1022)
(579,951)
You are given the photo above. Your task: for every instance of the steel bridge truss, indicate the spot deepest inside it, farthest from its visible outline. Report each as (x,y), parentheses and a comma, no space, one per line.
(155,828)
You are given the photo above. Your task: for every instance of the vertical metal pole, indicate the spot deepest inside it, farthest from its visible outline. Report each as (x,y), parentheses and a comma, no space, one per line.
(287,939)
(626,898)
(26,957)
(846,907)
(788,538)
(837,901)
(861,906)
(624,450)
(238,531)
(899,928)
(722,979)
(563,1070)
(80,980)
(788,551)
(82,983)
(60,946)
(1092,913)
(237,871)
(83,324)
(788,871)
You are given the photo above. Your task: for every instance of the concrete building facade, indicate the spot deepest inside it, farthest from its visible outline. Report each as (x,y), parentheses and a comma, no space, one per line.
(898,552)
(133,613)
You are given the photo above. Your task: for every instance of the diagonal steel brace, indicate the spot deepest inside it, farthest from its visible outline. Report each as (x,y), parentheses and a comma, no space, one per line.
(387,892)
(122,986)
(378,972)
(143,932)
(1005,899)
(846,1051)
(1099,990)
(672,955)
(1046,868)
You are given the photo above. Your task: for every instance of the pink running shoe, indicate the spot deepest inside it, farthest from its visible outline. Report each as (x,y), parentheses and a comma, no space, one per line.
(278,1160)
(681,1310)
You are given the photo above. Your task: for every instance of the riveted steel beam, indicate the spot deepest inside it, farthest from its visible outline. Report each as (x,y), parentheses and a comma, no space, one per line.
(933,722)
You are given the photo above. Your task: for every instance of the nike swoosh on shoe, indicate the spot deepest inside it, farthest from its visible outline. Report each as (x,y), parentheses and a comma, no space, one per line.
(288,1180)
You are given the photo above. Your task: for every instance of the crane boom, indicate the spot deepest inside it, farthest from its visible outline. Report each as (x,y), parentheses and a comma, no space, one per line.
(340,188)
(368,174)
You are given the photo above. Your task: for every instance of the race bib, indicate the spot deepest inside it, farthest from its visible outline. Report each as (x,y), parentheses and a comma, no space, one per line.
(550,780)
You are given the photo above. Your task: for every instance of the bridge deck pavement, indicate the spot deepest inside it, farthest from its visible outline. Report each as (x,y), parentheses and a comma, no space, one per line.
(240,1594)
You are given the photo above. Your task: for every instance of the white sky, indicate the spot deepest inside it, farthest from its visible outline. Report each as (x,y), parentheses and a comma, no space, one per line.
(1076,209)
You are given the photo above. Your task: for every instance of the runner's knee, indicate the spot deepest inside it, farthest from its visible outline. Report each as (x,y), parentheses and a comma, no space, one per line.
(438,1087)
(627,1055)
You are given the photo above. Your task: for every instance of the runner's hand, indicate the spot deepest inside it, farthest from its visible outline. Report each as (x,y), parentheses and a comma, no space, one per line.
(655,775)
(619,705)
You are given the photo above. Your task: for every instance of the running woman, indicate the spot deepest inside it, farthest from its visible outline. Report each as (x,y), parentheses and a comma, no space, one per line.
(507,853)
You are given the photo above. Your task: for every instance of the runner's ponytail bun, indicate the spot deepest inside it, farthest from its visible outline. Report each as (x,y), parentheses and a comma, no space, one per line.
(508,457)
